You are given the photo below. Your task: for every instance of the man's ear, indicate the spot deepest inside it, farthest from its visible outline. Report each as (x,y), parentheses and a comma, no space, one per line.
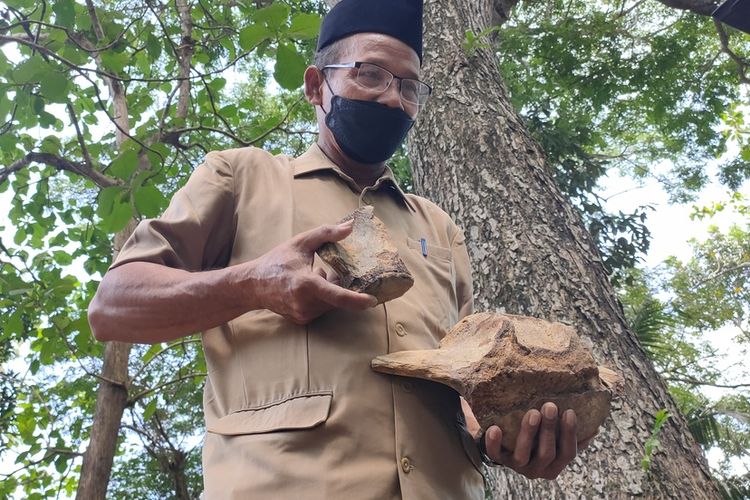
(314,85)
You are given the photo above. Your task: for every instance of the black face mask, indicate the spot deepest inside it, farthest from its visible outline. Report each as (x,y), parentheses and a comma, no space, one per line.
(367,131)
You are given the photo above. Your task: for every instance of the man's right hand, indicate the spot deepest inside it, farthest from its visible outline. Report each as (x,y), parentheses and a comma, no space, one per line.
(283,280)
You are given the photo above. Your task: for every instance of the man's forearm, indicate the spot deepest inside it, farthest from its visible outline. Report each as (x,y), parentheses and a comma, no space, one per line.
(148,303)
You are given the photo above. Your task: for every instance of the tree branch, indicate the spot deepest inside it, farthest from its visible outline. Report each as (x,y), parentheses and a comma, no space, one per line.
(51,160)
(182,343)
(700,7)
(742,64)
(184,57)
(146,392)
(693,381)
(116,89)
(81,140)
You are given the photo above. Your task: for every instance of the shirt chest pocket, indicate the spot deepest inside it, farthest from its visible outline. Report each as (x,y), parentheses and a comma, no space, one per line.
(434,292)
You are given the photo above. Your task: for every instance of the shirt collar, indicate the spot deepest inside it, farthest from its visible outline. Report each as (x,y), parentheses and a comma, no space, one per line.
(314,160)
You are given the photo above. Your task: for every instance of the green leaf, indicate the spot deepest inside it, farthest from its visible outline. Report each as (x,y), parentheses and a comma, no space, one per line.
(153,47)
(62,258)
(26,426)
(124,165)
(51,144)
(20,236)
(107,200)
(149,201)
(305,26)
(115,62)
(83,20)
(38,105)
(152,351)
(290,67)
(29,70)
(3,62)
(61,464)
(251,36)
(119,217)
(54,87)
(13,325)
(273,16)
(65,12)
(149,410)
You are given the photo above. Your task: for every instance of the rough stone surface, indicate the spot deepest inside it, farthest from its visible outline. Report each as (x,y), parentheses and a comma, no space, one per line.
(505,365)
(367,261)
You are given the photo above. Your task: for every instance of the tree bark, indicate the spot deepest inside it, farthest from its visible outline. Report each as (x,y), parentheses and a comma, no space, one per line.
(110,404)
(532,255)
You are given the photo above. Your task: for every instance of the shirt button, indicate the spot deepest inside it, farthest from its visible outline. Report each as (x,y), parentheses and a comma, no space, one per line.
(408,386)
(400,330)
(406,465)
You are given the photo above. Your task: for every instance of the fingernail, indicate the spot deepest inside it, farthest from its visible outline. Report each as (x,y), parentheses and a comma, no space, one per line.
(550,411)
(534,419)
(373,301)
(494,433)
(569,417)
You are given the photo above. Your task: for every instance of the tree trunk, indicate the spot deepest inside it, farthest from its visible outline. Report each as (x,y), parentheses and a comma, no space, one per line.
(111,399)
(110,404)
(532,255)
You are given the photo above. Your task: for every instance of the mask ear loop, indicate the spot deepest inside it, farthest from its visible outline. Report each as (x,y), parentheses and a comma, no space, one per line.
(329,88)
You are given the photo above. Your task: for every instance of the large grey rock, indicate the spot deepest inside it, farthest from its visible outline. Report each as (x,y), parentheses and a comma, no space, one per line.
(367,261)
(505,365)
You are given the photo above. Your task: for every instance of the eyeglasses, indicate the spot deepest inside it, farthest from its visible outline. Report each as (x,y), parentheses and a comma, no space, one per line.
(377,80)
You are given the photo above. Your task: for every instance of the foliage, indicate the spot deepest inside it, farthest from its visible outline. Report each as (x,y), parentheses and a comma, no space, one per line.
(629,86)
(677,312)
(652,443)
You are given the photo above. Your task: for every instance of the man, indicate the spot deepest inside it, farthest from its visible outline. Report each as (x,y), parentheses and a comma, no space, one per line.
(292,408)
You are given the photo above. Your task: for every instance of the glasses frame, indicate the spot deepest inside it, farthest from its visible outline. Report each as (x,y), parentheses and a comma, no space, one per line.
(358,64)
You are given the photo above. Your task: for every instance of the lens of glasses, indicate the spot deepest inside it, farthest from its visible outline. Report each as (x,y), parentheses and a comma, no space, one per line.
(378,79)
(414,92)
(374,77)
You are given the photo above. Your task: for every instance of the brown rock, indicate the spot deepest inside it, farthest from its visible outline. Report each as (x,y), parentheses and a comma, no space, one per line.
(505,365)
(367,261)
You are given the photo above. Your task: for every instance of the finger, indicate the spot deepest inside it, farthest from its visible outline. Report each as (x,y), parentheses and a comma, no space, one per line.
(567,449)
(341,297)
(313,239)
(547,447)
(526,438)
(311,312)
(493,443)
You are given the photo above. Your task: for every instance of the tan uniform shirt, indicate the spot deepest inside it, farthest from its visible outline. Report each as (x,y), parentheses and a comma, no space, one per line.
(295,412)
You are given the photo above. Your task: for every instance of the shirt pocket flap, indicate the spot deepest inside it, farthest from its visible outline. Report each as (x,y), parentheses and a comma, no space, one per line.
(296,412)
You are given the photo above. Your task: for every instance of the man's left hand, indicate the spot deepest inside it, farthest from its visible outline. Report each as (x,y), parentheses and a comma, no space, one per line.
(544,447)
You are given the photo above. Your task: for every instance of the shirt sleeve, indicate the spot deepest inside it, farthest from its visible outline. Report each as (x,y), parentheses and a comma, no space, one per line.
(196,232)
(464,282)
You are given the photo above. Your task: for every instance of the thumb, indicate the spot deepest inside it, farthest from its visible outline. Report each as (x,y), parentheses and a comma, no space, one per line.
(313,239)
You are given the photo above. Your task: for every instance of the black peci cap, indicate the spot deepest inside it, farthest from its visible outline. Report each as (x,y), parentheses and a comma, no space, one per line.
(735,13)
(401,19)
